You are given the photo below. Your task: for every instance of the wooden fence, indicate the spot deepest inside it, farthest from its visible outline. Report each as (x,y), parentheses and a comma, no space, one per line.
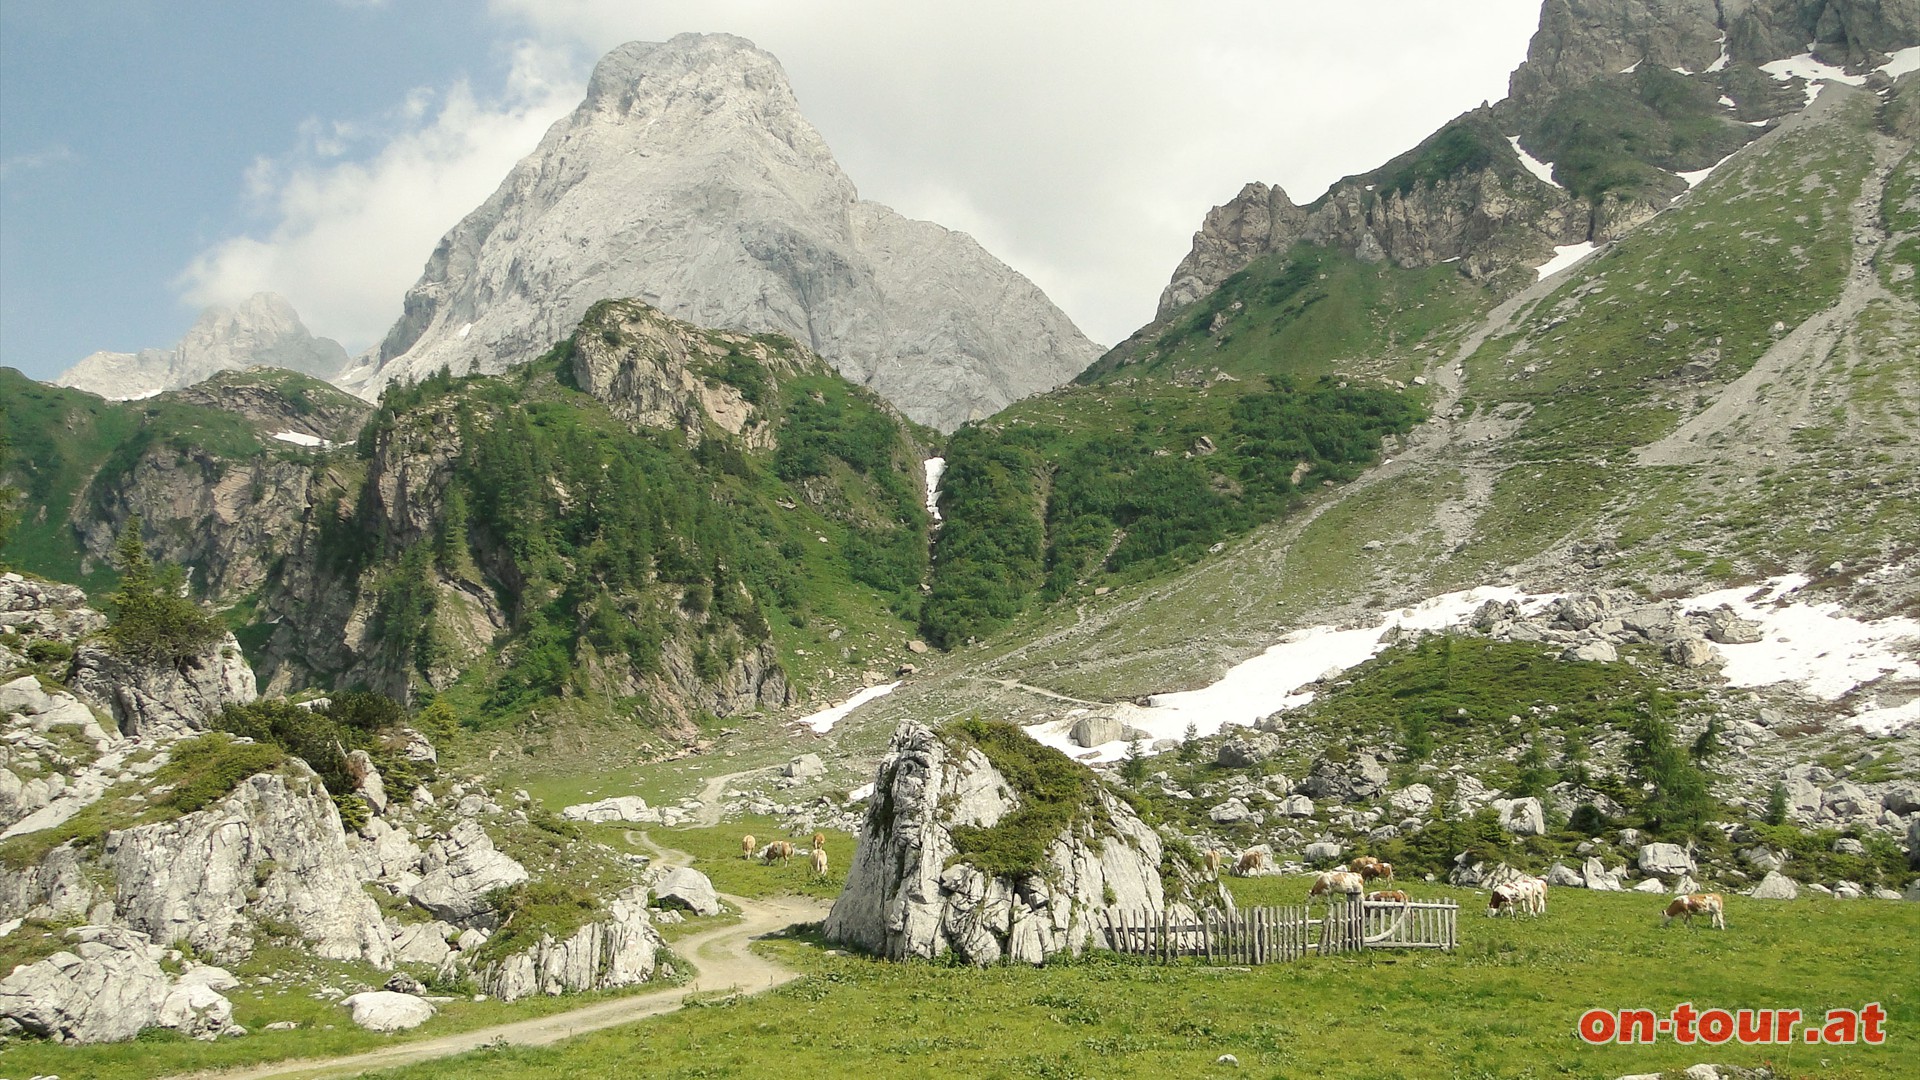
(1268,935)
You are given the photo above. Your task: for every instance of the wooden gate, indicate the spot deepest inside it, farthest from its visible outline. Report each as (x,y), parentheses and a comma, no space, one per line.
(1267,935)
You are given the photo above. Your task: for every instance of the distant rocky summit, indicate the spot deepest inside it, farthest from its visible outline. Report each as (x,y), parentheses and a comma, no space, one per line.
(689,178)
(262,330)
(955,857)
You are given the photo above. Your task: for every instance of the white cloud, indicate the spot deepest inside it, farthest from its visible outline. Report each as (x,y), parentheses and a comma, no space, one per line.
(1079,141)
(57,154)
(354,212)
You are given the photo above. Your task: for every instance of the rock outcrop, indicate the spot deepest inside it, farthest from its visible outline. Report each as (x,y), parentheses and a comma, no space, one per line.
(262,330)
(164,701)
(272,849)
(908,896)
(388,1010)
(459,872)
(109,987)
(689,178)
(621,950)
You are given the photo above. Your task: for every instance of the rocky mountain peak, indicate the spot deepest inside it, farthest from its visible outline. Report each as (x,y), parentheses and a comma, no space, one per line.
(713,86)
(688,178)
(262,330)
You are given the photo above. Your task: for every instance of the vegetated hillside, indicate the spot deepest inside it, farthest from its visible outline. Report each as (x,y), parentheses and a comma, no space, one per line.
(653,521)
(1091,486)
(200,465)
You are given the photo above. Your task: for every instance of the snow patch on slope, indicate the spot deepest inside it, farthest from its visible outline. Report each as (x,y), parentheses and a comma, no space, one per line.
(824,720)
(1563,257)
(1543,170)
(1816,74)
(1815,646)
(936,468)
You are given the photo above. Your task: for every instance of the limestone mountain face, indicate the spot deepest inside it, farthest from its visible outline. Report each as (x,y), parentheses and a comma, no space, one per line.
(1617,97)
(262,330)
(1581,40)
(689,178)
(906,895)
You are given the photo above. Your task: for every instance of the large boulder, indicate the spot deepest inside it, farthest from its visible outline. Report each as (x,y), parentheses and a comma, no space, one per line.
(1597,877)
(909,894)
(1414,800)
(1522,817)
(1353,781)
(109,987)
(1775,886)
(459,872)
(164,700)
(686,887)
(622,949)
(47,610)
(385,1010)
(1670,860)
(631,809)
(1091,731)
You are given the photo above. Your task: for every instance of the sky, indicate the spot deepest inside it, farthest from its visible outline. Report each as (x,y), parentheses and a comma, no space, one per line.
(158,157)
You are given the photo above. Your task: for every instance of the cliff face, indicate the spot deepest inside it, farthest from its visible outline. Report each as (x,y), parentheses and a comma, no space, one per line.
(689,178)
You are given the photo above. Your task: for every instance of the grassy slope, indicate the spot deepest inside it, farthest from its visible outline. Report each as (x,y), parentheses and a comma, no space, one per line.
(1482,1012)
(1306,313)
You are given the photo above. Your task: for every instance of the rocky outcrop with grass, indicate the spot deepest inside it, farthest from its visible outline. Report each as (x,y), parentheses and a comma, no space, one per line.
(621,949)
(981,843)
(107,984)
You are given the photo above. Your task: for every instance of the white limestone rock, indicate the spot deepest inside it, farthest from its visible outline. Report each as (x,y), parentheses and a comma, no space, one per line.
(627,808)
(902,899)
(1775,886)
(107,988)
(1669,859)
(385,1010)
(622,949)
(273,848)
(689,179)
(686,887)
(461,870)
(164,701)
(1522,817)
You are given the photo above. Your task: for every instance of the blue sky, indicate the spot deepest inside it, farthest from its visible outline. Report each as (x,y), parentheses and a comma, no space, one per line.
(155,157)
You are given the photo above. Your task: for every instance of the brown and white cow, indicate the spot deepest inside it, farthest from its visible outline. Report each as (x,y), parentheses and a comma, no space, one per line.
(1344,882)
(1250,863)
(1212,861)
(820,860)
(1390,896)
(781,850)
(1521,896)
(1690,904)
(1370,868)
(819,839)
(746,846)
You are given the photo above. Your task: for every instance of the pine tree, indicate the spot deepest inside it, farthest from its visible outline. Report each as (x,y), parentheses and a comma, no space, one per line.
(1134,767)
(1190,744)
(1776,813)
(152,618)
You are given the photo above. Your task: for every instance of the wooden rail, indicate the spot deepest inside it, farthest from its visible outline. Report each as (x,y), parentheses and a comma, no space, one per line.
(1267,935)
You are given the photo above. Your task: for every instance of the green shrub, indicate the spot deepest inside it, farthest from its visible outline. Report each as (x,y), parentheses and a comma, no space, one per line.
(207,769)
(1054,793)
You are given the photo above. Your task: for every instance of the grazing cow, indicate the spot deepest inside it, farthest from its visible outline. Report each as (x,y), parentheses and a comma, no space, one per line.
(746,846)
(1344,882)
(1691,904)
(1249,863)
(819,839)
(1370,868)
(1390,896)
(1522,895)
(819,861)
(781,850)
(1213,865)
